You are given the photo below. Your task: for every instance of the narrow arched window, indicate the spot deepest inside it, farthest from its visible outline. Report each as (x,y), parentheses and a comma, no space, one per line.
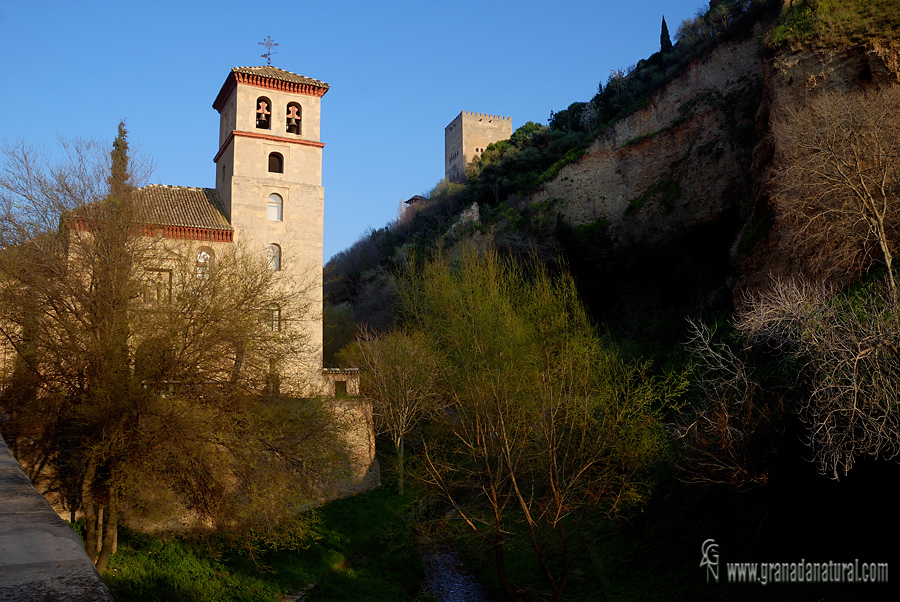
(274,257)
(276,163)
(263,113)
(204,263)
(293,118)
(273,319)
(276,208)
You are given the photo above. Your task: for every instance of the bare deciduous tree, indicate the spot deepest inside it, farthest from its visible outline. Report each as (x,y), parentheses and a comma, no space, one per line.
(838,180)
(400,375)
(732,433)
(139,382)
(848,347)
(834,362)
(590,116)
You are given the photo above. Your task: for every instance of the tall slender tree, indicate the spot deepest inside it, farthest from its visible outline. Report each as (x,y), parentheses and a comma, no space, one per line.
(665,42)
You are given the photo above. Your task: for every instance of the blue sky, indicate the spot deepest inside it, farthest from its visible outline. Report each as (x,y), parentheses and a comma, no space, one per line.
(399,72)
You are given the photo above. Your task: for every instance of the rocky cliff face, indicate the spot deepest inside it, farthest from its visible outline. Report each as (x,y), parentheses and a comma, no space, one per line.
(670,187)
(681,160)
(691,171)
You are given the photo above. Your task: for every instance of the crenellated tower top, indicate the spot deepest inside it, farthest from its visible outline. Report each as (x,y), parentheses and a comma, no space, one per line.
(466,137)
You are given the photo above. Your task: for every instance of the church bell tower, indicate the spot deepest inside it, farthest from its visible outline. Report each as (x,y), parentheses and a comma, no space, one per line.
(269,177)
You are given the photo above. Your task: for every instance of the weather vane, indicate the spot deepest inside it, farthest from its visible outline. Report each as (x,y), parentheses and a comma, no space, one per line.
(269,44)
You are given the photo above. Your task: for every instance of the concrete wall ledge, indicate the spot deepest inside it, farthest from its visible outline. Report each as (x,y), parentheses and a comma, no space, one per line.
(41,558)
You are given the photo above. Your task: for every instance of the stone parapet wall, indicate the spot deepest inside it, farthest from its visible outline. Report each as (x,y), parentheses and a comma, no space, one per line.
(41,558)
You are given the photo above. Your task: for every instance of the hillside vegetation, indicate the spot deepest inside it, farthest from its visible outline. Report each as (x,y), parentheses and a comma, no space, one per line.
(704,250)
(503,177)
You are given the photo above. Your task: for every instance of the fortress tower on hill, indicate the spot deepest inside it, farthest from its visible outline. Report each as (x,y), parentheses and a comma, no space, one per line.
(466,138)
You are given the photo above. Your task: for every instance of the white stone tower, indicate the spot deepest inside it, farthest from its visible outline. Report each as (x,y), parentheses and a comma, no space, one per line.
(269,180)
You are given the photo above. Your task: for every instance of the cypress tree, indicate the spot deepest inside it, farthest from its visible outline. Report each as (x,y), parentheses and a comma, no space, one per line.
(665,42)
(118,180)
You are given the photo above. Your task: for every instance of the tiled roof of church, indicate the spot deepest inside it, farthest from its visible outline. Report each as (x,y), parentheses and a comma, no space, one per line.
(181,206)
(281,75)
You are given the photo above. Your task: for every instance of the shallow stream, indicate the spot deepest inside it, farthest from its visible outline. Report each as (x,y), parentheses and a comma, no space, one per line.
(447,580)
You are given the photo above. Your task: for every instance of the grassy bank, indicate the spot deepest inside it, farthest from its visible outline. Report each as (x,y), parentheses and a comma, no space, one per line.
(364,549)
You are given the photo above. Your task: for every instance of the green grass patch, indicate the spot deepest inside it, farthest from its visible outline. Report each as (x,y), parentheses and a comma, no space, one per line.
(665,191)
(835,24)
(364,549)
(572,156)
(638,139)
(150,569)
(650,135)
(635,204)
(756,232)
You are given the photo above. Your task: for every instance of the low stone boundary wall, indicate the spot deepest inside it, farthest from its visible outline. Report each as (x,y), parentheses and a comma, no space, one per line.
(41,558)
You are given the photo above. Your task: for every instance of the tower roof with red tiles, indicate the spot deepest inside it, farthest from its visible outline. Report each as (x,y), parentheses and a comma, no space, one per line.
(272,78)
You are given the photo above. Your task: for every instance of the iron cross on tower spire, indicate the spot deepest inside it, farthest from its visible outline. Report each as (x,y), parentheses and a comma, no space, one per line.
(269,44)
